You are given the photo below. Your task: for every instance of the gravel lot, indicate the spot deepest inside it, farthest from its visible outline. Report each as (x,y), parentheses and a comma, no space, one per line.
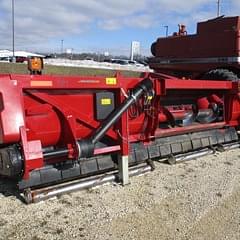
(194,200)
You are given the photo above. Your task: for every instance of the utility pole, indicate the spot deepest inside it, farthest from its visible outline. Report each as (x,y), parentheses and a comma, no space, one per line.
(13,33)
(62,46)
(166,30)
(72,54)
(218,8)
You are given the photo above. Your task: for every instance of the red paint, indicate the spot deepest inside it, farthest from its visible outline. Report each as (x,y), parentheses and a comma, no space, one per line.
(57,116)
(215,45)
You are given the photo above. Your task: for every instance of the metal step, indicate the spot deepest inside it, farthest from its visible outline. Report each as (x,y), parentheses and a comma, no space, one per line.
(34,196)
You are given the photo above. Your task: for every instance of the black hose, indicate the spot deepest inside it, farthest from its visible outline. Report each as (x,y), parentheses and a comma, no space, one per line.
(86,146)
(56,153)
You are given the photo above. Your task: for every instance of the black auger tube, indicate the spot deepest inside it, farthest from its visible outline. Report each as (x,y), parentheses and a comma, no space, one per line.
(56,153)
(86,146)
(144,86)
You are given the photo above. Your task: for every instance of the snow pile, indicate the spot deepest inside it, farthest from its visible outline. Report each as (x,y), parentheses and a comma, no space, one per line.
(93,64)
(7,53)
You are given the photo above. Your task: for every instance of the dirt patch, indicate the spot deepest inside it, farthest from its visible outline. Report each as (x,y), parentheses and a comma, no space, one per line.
(195,200)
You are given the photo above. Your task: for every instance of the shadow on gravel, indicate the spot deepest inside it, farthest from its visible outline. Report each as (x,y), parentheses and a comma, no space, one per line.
(9,188)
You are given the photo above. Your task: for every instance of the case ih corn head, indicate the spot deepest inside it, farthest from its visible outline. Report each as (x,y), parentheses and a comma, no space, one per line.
(55,129)
(59,134)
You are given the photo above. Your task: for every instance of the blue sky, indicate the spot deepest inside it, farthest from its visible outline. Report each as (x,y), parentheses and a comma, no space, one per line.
(99,26)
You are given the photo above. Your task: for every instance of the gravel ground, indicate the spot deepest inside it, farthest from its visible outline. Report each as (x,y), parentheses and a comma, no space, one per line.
(199,199)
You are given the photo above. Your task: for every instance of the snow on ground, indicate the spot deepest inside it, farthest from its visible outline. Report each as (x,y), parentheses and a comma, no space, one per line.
(9,54)
(93,64)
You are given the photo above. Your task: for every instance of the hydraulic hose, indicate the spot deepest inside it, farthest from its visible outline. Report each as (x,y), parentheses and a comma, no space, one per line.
(86,146)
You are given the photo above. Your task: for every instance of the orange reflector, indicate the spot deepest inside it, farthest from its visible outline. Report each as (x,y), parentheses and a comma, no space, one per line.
(41,83)
(35,64)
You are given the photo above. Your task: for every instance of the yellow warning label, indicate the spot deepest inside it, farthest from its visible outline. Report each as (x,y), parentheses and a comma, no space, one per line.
(150,98)
(111,81)
(106,101)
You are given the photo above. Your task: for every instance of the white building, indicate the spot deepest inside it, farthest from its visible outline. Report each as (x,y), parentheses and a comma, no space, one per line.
(9,54)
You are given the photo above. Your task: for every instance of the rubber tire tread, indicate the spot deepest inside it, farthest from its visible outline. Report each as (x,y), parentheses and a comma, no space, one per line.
(220,74)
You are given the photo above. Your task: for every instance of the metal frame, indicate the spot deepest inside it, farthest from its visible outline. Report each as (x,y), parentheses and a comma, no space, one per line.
(18,91)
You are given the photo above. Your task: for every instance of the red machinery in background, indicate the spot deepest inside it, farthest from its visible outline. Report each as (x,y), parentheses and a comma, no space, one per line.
(55,128)
(212,53)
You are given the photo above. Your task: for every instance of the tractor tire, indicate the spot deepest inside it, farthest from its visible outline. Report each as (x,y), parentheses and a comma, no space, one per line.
(220,74)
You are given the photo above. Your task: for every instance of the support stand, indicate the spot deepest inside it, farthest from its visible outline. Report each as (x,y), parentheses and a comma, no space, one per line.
(123,170)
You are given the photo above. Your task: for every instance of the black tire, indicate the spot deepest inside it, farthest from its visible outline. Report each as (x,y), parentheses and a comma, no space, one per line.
(153,49)
(220,74)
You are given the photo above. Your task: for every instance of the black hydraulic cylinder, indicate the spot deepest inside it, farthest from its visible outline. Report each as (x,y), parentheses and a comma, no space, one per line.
(86,146)
(56,153)
(144,86)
